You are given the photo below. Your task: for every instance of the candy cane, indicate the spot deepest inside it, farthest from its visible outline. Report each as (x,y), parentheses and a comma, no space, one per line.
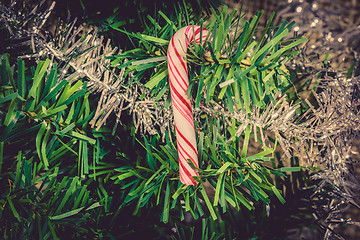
(179,82)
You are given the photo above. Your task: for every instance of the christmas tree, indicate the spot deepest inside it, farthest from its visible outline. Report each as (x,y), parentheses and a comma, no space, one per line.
(89,147)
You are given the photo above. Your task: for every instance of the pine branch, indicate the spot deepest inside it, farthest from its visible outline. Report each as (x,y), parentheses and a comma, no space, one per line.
(79,53)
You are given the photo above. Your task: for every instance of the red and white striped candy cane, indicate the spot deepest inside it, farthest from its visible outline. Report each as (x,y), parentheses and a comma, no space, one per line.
(179,82)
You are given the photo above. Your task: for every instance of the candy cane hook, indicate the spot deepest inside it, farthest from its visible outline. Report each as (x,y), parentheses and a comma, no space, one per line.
(179,82)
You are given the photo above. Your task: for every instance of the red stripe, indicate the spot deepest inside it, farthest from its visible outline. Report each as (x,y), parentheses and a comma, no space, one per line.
(187,173)
(187,141)
(187,30)
(185,115)
(178,55)
(184,83)
(182,109)
(187,154)
(179,106)
(173,74)
(182,157)
(197,31)
(188,33)
(183,175)
(179,96)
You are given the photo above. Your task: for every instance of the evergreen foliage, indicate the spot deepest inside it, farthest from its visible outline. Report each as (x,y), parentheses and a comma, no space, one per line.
(43,125)
(111,171)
